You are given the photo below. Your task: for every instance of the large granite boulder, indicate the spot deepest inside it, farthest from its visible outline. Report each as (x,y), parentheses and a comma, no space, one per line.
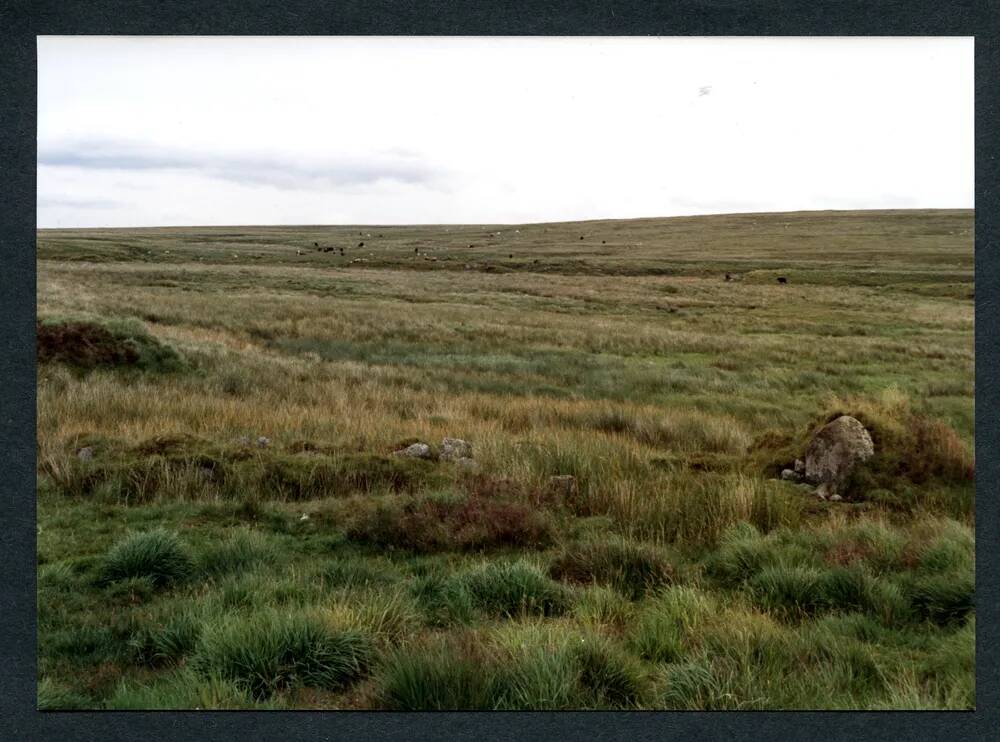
(834,452)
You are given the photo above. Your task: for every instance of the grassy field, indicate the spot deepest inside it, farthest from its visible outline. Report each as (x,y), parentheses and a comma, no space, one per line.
(182,565)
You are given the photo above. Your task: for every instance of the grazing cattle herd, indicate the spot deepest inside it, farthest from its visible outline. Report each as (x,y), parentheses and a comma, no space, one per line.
(783,280)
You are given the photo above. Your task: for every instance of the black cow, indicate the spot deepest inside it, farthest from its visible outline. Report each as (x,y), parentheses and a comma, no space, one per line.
(361,244)
(416,251)
(729,277)
(315,244)
(581,236)
(782,279)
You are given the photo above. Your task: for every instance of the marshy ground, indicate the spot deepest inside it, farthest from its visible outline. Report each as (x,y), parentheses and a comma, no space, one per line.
(181,565)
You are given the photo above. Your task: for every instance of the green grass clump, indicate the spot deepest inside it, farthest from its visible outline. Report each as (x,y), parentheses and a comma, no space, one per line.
(609,676)
(692,685)
(168,642)
(665,625)
(942,598)
(268,651)
(542,667)
(242,550)
(443,600)
(157,554)
(631,568)
(513,589)
(437,675)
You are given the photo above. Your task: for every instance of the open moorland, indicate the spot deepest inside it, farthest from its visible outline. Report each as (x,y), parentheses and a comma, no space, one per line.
(223,521)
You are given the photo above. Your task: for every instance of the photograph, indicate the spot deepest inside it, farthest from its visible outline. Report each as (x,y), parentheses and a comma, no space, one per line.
(505,373)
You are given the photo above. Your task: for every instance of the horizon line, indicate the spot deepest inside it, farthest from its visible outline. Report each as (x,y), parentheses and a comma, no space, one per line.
(521,224)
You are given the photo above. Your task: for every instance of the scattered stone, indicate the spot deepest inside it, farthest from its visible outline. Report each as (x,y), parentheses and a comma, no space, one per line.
(455,448)
(789,475)
(835,498)
(824,491)
(263,442)
(836,450)
(563,486)
(415,451)
(305,516)
(467,463)
(800,466)
(85,454)
(243,440)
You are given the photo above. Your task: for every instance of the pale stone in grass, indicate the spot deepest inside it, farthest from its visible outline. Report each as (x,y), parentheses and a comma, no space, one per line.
(836,450)
(790,476)
(85,454)
(455,448)
(415,451)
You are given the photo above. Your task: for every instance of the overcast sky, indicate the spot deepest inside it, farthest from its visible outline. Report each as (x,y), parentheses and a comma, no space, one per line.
(137,131)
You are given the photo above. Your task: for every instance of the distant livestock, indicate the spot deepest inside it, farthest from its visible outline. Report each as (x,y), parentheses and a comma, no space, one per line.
(782,279)
(729,277)
(361,244)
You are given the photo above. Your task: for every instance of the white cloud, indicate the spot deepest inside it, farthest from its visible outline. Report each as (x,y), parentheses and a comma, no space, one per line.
(186,130)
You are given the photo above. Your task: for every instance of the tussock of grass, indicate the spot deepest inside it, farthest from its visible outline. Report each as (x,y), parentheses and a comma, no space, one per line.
(436,675)
(269,651)
(629,567)
(169,642)
(157,554)
(242,550)
(513,589)
(666,625)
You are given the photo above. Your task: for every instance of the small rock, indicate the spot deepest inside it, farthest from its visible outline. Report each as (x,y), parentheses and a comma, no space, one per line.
(835,498)
(800,467)
(415,451)
(467,463)
(263,442)
(305,516)
(455,448)
(824,490)
(243,440)
(85,454)
(790,476)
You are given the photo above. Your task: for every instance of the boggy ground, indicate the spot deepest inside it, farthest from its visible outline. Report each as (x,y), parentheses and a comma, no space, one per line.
(181,567)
